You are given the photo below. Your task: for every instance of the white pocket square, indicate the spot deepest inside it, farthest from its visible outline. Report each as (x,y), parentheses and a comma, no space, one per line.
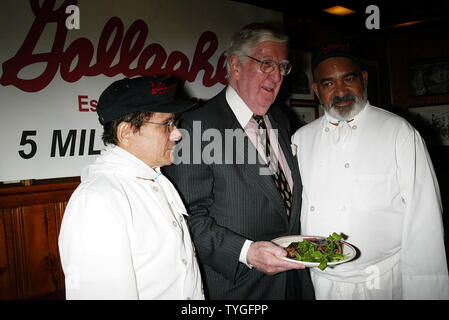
(294,149)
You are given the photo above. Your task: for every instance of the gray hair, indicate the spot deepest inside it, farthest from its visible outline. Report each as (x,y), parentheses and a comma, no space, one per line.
(245,41)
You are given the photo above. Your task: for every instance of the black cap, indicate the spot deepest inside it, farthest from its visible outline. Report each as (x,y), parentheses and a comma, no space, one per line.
(148,94)
(332,50)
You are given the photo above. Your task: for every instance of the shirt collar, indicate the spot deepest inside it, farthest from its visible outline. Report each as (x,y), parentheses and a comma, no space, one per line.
(241,111)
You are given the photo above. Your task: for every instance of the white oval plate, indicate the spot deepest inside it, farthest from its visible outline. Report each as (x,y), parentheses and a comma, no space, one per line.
(349,252)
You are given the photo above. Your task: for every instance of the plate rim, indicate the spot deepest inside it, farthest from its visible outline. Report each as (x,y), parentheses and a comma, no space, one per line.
(316,264)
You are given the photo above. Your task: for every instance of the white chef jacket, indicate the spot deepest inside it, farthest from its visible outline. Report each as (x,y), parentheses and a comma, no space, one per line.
(124,234)
(379,189)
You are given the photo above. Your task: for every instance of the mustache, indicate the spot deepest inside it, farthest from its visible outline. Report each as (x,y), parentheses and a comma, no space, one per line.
(345,98)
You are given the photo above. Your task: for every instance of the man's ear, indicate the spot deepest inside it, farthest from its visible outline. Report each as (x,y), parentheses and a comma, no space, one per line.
(365,76)
(315,88)
(124,133)
(234,63)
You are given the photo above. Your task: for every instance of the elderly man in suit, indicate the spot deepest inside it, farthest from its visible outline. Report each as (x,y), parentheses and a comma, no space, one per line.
(235,207)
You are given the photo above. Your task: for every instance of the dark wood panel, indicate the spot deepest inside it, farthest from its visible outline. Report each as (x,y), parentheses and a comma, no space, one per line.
(8,270)
(40,259)
(30,221)
(14,197)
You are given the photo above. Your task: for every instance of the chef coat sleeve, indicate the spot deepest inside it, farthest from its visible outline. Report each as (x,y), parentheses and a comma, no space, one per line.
(423,259)
(95,249)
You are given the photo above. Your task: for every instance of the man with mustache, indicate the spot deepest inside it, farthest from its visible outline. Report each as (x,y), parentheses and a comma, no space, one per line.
(124,234)
(368,176)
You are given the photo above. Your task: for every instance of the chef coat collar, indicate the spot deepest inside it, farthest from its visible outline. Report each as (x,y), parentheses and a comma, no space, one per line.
(133,166)
(353,122)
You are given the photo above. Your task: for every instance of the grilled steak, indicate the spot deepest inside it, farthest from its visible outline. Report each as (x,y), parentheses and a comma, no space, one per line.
(321,244)
(292,249)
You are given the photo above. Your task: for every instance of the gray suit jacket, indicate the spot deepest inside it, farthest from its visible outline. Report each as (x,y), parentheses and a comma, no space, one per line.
(230,202)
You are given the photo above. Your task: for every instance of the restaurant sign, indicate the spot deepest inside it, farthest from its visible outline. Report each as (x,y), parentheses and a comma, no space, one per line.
(63,54)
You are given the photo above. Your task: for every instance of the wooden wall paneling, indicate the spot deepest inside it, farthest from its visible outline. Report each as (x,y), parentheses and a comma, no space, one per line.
(38,236)
(57,269)
(14,197)
(59,210)
(8,271)
(30,221)
(19,250)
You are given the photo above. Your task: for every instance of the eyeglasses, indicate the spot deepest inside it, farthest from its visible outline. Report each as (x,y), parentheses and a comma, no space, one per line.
(268,65)
(170,125)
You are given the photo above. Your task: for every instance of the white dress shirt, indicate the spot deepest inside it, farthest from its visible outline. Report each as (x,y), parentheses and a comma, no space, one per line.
(245,118)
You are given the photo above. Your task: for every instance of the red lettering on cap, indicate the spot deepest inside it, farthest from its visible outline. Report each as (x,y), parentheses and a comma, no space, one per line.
(332,47)
(159,88)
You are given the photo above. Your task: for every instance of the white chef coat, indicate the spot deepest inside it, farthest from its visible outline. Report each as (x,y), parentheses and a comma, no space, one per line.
(377,186)
(124,234)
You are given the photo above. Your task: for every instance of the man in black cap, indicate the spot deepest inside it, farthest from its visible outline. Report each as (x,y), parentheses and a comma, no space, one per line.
(367,174)
(124,235)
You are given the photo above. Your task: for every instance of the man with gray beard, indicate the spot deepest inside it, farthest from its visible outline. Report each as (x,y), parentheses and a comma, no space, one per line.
(367,175)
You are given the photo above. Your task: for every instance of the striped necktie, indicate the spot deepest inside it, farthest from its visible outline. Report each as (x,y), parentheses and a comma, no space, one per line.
(278,175)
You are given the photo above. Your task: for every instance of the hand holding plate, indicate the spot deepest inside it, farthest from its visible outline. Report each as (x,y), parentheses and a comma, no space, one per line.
(267,257)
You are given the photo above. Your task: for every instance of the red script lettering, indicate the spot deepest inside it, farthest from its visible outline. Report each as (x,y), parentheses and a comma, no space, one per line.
(176,63)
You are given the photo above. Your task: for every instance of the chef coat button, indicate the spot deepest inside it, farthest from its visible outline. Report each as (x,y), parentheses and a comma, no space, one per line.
(181,218)
(184,261)
(354,127)
(327,129)
(346,165)
(155,189)
(312,208)
(342,208)
(174,223)
(188,298)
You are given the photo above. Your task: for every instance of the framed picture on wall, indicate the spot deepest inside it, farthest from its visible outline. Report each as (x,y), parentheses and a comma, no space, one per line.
(429,78)
(437,120)
(300,78)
